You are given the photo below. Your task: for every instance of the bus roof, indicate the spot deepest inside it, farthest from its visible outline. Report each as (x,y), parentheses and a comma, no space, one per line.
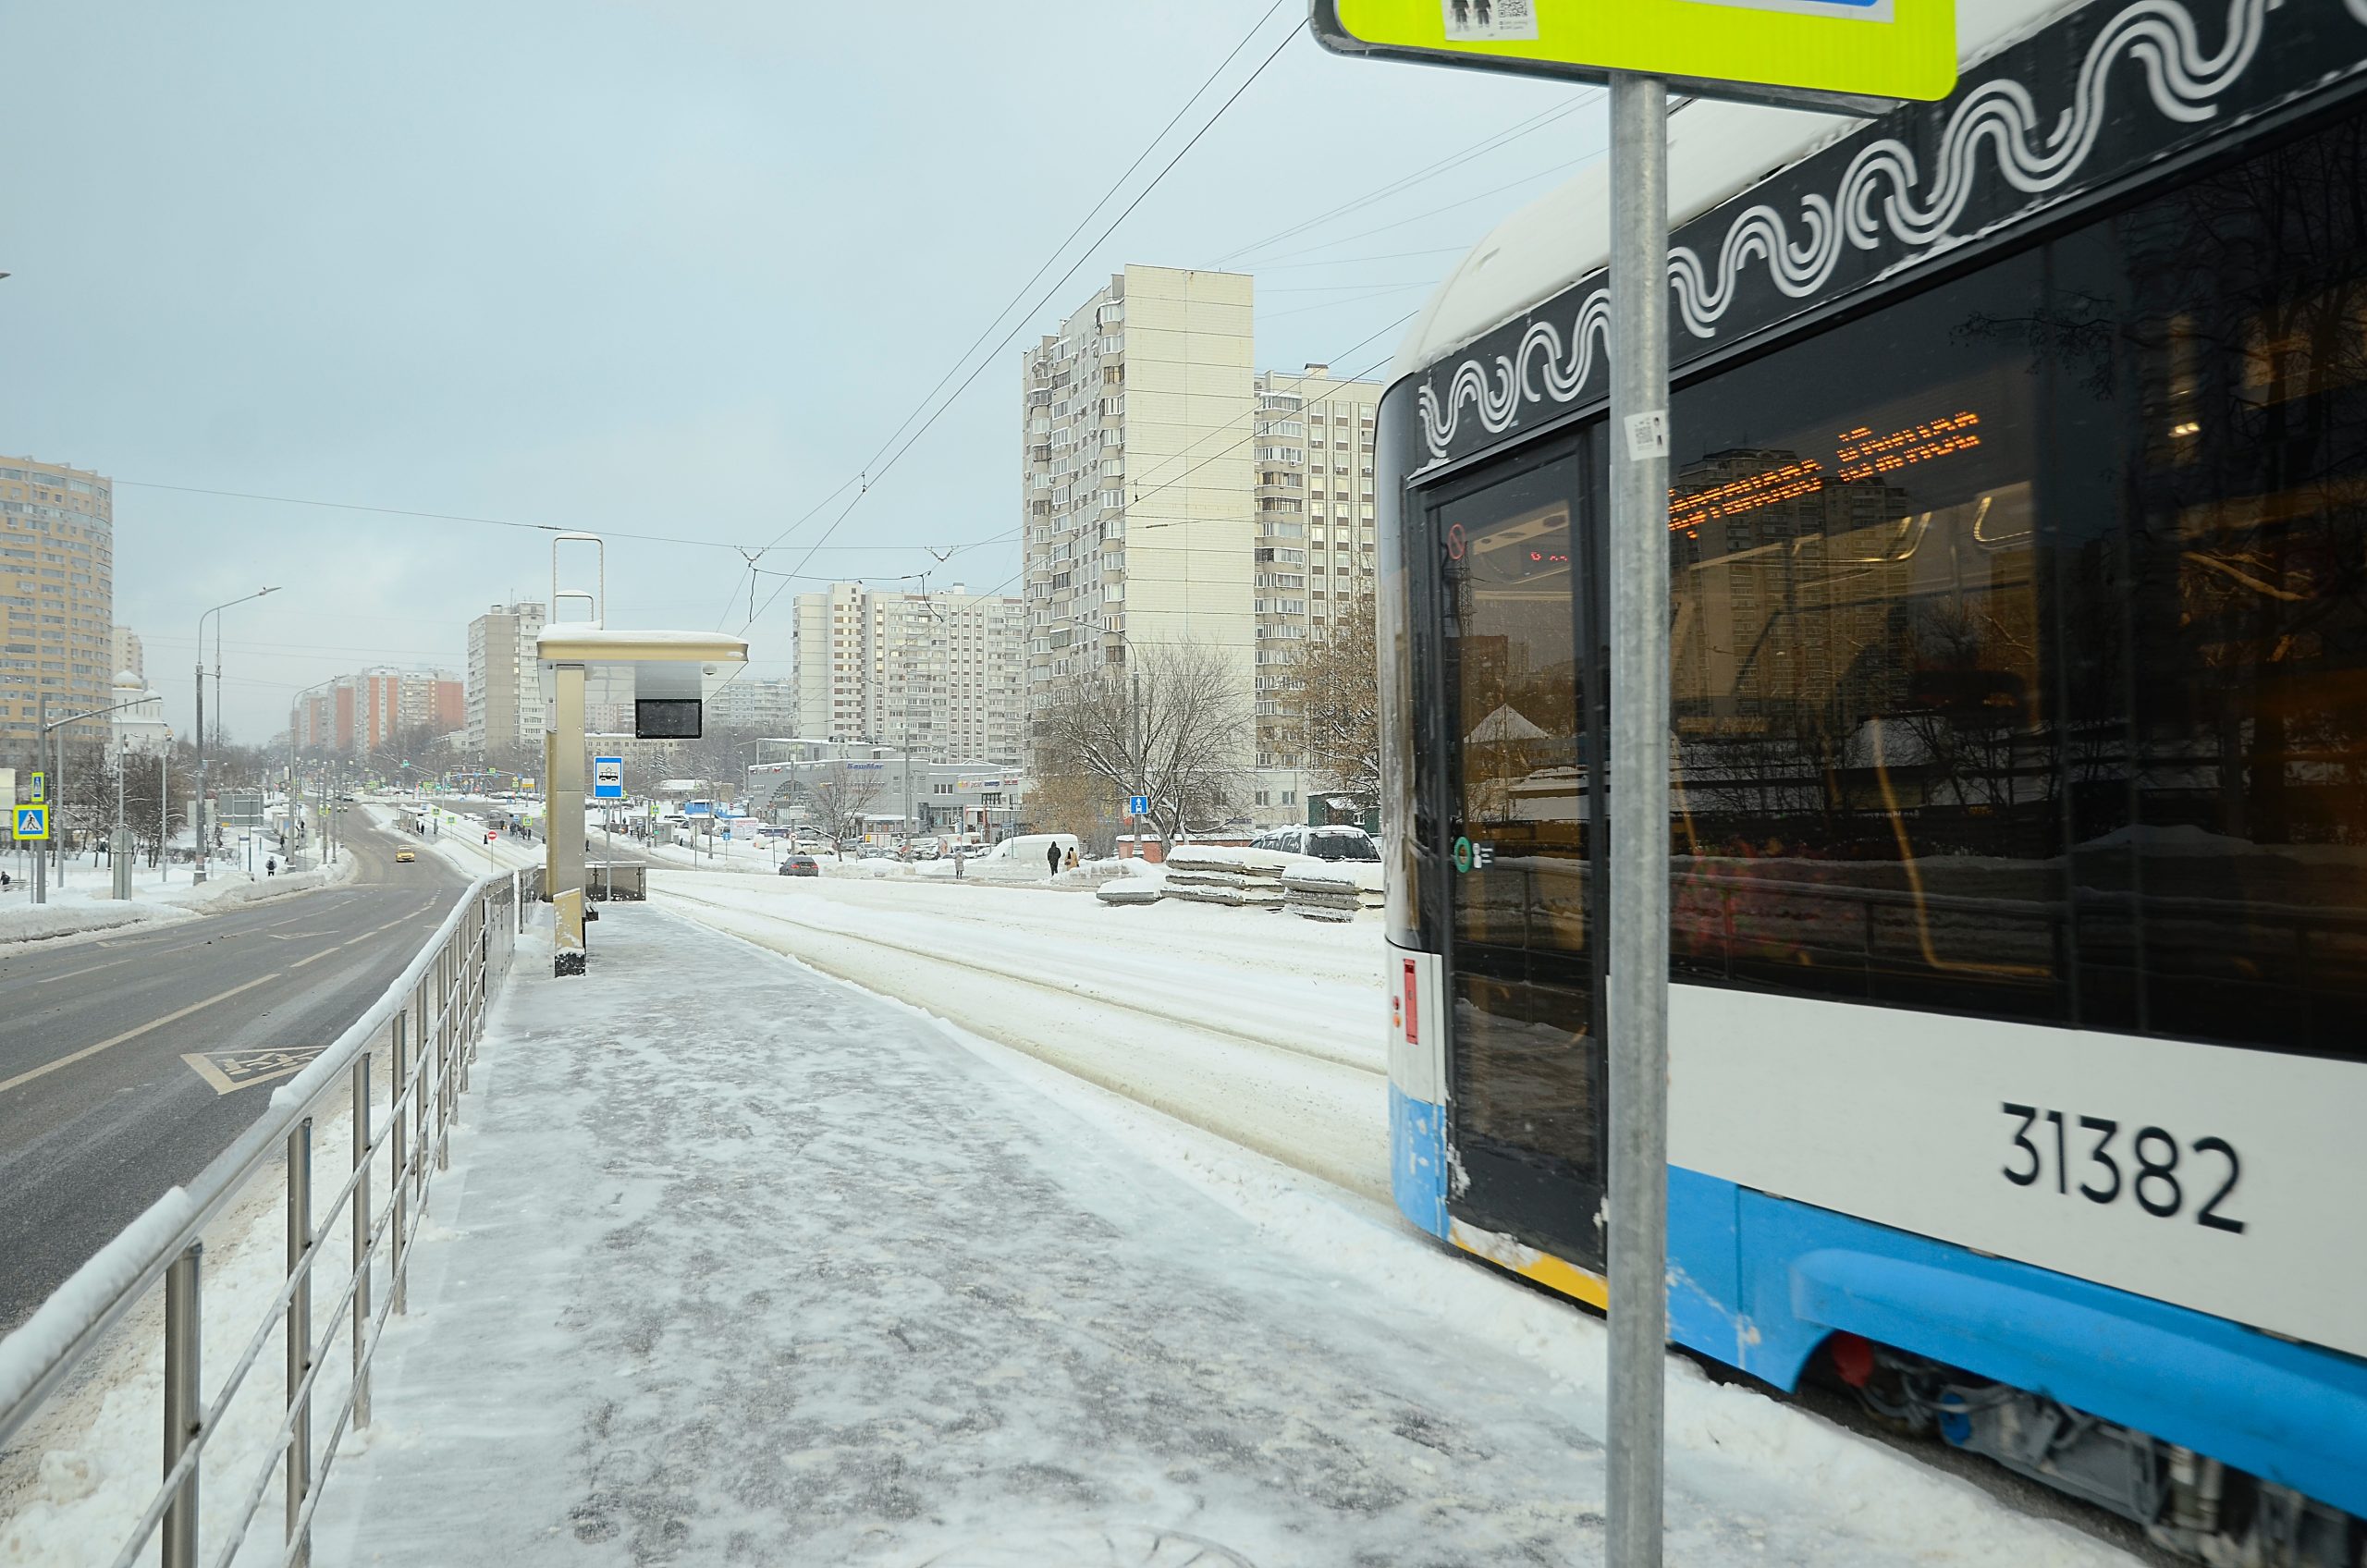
(1715,150)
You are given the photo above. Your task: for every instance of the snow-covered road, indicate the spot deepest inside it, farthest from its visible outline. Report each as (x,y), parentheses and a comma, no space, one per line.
(749,1266)
(1265,1029)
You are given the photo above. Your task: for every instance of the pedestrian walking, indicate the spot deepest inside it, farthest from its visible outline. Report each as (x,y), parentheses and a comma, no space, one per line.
(1052,859)
(1072,859)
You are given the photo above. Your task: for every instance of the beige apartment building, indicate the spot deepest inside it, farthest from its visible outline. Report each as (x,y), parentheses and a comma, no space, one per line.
(503,706)
(129,652)
(56,599)
(1314,558)
(1136,469)
(943,674)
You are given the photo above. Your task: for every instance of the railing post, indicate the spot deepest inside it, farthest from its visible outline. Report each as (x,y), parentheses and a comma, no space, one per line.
(398,1171)
(298,1331)
(184,1415)
(360,1313)
(444,1057)
(425,1072)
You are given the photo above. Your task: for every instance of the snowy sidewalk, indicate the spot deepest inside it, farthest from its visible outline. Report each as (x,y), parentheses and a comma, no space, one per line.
(740,1265)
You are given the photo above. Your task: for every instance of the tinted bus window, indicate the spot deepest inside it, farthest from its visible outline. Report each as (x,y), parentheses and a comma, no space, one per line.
(1862,732)
(2020,631)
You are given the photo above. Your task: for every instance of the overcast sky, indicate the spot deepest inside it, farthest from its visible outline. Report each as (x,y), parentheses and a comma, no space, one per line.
(676,270)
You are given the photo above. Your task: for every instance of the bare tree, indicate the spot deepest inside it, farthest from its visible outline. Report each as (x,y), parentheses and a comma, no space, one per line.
(836,796)
(1333,693)
(1171,724)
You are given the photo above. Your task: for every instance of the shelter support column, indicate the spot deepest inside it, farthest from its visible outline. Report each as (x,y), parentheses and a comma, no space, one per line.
(563,819)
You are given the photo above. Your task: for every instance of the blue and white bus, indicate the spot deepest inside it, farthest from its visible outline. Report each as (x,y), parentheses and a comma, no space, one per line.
(2018,737)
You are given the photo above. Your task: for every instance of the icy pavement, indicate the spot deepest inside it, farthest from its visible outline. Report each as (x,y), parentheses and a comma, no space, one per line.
(744,1266)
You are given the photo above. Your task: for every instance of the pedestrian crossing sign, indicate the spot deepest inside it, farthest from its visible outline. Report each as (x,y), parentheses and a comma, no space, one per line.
(32,822)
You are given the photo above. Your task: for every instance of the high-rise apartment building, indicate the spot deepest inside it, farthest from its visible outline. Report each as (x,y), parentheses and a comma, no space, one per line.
(57,598)
(504,704)
(1135,436)
(766,703)
(129,655)
(941,673)
(377,709)
(1314,556)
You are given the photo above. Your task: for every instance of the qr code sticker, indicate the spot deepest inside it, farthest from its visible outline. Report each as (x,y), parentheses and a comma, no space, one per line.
(1488,21)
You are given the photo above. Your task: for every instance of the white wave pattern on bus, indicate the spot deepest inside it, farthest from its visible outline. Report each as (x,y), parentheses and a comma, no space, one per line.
(2159,34)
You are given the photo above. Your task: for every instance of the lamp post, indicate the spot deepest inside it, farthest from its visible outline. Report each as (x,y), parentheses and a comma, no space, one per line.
(199,823)
(57,791)
(320,850)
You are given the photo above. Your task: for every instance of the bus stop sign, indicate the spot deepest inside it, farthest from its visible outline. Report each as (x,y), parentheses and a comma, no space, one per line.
(1809,54)
(608,778)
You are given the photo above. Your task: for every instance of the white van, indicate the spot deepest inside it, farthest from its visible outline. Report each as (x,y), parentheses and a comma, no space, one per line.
(1028,850)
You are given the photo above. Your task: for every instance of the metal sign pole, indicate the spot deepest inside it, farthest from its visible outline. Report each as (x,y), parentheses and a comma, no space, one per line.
(1638,999)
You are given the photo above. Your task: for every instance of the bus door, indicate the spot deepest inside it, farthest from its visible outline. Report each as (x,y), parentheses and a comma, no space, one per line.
(1520,729)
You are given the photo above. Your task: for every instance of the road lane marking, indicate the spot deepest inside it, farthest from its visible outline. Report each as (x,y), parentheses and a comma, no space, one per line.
(229,1071)
(93,969)
(69,1060)
(315,958)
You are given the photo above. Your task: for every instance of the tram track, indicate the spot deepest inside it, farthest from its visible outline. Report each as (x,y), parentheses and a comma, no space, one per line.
(1315,1107)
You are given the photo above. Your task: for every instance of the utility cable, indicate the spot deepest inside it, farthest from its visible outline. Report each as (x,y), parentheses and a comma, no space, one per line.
(1061,283)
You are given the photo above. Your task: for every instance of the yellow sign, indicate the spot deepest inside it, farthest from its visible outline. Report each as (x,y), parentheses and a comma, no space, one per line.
(32,822)
(1866,49)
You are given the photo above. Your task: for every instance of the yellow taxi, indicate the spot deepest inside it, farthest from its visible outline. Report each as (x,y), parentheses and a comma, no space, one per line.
(402,855)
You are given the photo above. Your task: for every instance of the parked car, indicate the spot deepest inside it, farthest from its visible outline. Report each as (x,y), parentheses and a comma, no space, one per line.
(800,865)
(1028,849)
(1340,842)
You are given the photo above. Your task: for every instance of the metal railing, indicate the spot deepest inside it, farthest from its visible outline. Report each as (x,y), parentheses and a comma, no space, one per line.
(434,1014)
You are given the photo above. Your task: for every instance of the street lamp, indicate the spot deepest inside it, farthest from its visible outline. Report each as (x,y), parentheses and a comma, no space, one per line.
(56,794)
(199,820)
(321,823)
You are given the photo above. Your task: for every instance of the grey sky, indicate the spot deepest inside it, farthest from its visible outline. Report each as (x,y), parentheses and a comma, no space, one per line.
(675,270)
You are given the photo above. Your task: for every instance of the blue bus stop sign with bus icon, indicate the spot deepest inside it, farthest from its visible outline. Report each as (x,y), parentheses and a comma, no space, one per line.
(608,778)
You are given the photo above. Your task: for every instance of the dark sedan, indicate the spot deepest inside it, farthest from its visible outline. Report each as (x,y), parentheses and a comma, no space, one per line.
(800,865)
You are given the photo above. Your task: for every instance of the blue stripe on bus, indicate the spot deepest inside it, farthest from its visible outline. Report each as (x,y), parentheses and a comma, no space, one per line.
(1760,1281)
(1417,1161)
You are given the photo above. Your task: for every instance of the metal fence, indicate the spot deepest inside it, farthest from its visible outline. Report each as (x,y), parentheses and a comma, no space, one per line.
(434,1013)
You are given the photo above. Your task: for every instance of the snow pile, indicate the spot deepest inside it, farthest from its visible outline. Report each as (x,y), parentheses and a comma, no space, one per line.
(1225,876)
(1327,891)
(71,917)
(231,893)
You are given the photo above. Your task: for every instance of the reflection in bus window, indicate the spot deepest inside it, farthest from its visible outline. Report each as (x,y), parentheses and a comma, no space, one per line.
(2038,690)
(1523,1016)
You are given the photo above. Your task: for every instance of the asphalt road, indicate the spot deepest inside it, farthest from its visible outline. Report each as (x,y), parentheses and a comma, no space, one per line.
(127,1063)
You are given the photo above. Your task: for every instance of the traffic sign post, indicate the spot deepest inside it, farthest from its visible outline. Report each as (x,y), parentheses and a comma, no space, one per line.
(1850,55)
(608,778)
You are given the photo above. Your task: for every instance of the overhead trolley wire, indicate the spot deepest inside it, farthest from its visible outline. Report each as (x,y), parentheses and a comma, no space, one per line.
(1057,284)
(864,476)
(1405,183)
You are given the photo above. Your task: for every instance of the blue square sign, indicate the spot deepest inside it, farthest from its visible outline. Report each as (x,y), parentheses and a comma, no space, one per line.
(608,778)
(1138,805)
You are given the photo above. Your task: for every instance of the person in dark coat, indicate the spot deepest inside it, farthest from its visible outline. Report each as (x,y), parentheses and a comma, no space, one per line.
(1052,859)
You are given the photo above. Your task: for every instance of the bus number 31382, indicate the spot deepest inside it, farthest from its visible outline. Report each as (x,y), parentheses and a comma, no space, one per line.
(2154,1181)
